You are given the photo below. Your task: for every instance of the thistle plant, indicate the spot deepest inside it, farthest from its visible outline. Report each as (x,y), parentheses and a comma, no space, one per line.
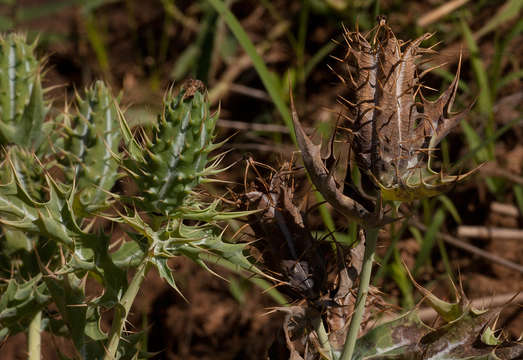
(50,248)
(392,133)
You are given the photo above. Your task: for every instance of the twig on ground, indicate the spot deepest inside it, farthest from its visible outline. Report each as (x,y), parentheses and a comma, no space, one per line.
(488,302)
(471,248)
(491,169)
(504,209)
(487,232)
(251,92)
(439,12)
(262,147)
(242,125)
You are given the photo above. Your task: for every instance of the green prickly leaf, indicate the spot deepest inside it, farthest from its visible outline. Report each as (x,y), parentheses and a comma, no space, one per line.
(29,171)
(421,184)
(92,143)
(15,240)
(448,311)
(174,160)
(176,238)
(56,220)
(406,338)
(488,337)
(396,339)
(19,302)
(166,273)
(129,254)
(211,213)
(129,347)
(461,339)
(91,252)
(22,105)
(68,294)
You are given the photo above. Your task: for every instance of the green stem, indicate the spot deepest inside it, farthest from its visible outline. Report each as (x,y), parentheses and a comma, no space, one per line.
(121,312)
(34,337)
(371,236)
(323,337)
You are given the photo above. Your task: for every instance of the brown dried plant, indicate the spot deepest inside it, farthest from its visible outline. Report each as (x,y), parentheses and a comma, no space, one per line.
(392,129)
(392,132)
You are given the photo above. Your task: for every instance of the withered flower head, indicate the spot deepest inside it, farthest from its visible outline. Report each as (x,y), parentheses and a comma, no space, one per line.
(394,128)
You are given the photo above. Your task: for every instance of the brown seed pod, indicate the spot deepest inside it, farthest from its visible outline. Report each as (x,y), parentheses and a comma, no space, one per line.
(394,128)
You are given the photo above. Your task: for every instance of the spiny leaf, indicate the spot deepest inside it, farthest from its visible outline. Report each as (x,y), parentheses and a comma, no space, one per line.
(56,220)
(19,302)
(392,340)
(322,179)
(81,319)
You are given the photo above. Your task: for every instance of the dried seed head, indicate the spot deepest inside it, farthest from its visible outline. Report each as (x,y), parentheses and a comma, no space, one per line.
(395,127)
(394,132)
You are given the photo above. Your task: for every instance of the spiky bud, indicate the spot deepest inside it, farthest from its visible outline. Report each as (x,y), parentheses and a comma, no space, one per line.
(92,142)
(22,106)
(174,160)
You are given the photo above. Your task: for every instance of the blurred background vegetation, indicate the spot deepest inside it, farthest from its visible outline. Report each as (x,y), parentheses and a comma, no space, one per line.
(247,58)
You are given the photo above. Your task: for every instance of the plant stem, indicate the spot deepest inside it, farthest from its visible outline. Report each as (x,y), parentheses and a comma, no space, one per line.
(371,236)
(121,311)
(34,337)
(323,337)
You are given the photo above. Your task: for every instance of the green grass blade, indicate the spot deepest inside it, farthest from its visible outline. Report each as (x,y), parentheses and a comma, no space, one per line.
(449,205)
(445,259)
(259,65)
(97,42)
(400,277)
(480,145)
(429,239)
(516,75)
(518,193)
(484,99)
(507,12)
(317,57)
